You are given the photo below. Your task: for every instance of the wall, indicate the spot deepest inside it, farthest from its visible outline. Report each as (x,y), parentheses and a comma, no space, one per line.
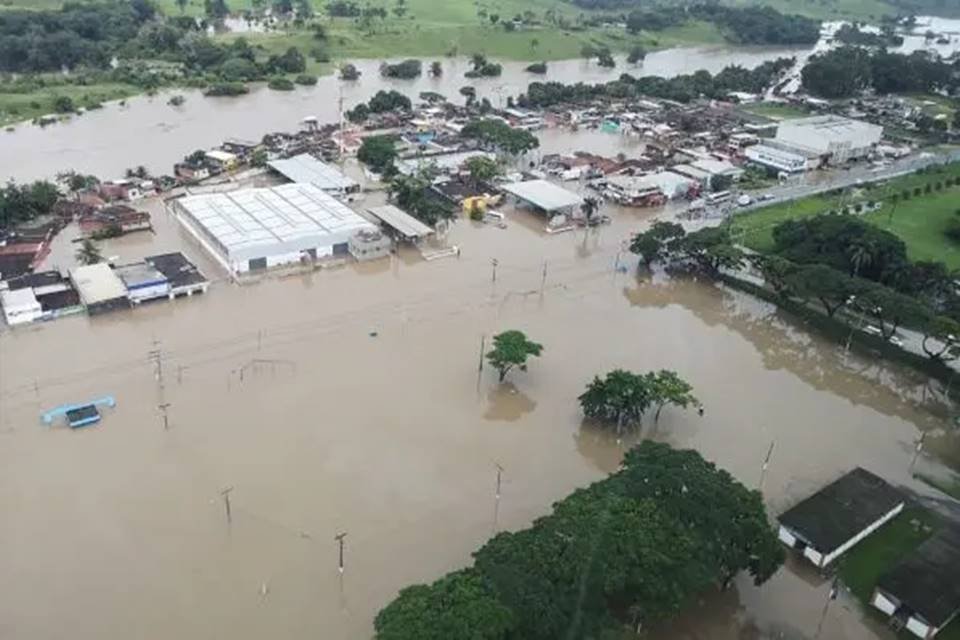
(149,292)
(863,534)
(918,628)
(786,537)
(880,601)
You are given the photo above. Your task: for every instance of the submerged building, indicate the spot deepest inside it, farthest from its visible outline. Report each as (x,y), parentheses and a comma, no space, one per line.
(254,229)
(834,139)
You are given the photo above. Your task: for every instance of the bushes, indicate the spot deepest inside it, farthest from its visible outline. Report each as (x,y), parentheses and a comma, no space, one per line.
(537,67)
(280,84)
(306,80)
(226,89)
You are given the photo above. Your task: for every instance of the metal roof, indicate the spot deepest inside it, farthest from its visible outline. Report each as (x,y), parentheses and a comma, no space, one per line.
(445,162)
(139,274)
(928,580)
(252,223)
(402,221)
(97,283)
(305,168)
(542,194)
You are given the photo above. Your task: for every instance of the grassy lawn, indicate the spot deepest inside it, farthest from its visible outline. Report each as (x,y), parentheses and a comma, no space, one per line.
(775,110)
(919,221)
(950,487)
(15,107)
(862,566)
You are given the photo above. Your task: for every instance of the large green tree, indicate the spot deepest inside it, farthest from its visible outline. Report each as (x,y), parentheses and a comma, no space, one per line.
(656,242)
(459,605)
(378,152)
(512,349)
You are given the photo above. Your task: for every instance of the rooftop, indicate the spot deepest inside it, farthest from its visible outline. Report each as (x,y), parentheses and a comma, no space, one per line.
(179,271)
(402,221)
(305,168)
(97,283)
(249,219)
(139,274)
(18,298)
(928,580)
(828,124)
(542,194)
(841,510)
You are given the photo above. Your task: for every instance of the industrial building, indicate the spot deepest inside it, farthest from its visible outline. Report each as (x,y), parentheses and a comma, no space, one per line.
(831,521)
(779,160)
(99,287)
(306,169)
(183,277)
(143,282)
(834,139)
(544,196)
(254,229)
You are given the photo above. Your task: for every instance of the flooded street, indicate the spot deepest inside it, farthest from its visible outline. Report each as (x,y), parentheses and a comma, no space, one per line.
(154,134)
(349,400)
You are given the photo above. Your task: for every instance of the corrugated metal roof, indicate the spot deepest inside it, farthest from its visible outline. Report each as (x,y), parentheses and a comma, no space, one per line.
(305,168)
(97,283)
(402,221)
(543,194)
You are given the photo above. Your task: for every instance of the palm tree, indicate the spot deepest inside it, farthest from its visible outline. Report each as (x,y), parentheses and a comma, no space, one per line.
(88,253)
(589,207)
(861,255)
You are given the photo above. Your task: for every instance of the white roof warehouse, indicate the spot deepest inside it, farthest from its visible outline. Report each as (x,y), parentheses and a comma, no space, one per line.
(251,229)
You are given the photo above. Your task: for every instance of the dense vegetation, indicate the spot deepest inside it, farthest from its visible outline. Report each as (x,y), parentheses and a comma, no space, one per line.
(406,69)
(847,71)
(853,35)
(381,102)
(26,202)
(499,135)
(622,553)
(683,88)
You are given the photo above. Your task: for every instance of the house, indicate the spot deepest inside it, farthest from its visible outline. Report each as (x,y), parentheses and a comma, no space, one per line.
(222,160)
(834,519)
(120,190)
(114,219)
(99,287)
(190,172)
(143,282)
(183,277)
(922,593)
(56,295)
(20,306)
(369,245)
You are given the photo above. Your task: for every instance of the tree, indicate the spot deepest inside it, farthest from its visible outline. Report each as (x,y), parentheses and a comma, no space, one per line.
(710,249)
(459,605)
(436,69)
(940,339)
(620,398)
(891,309)
(378,152)
(512,349)
(720,182)
(259,158)
(216,9)
(494,18)
(588,208)
(831,287)
(182,5)
(64,104)
(88,253)
(349,72)
(666,387)
(500,135)
(292,61)
(412,194)
(655,243)
(637,54)
(483,169)
(605,59)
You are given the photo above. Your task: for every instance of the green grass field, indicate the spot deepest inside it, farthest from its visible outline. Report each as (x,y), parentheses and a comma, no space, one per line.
(15,107)
(919,221)
(951,486)
(862,566)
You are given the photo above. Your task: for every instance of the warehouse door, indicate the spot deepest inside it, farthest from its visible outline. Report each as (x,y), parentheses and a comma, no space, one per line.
(257,264)
(341,249)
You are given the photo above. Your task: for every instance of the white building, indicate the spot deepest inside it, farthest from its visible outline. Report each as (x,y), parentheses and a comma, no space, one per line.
(777,159)
(830,522)
(253,229)
(143,282)
(99,287)
(834,138)
(20,306)
(304,168)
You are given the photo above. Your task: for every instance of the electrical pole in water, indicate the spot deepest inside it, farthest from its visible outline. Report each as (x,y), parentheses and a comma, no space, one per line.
(163,409)
(766,463)
(543,280)
(916,451)
(499,473)
(339,538)
(834,589)
(156,356)
(483,346)
(494,263)
(226,503)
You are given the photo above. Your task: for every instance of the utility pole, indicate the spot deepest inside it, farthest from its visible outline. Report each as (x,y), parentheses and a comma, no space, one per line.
(494,263)
(834,589)
(499,473)
(543,280)
(483,346)
(226,503)
(156,356)
(766,463)
(916,451)
(340,113)
(163,409)
(339,538)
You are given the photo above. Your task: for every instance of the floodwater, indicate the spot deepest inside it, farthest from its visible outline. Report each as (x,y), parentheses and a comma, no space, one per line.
(349,400)
(147,131)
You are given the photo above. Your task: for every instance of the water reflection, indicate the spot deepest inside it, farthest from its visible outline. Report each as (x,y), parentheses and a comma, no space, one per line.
(505,403)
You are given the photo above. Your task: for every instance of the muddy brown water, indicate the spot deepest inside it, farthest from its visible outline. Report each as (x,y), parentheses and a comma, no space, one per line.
(349,400)
(151,133)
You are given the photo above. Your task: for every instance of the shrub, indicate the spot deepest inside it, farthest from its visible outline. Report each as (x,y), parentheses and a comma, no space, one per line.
(953,230)
(280,84)
(226,89)
(306,79)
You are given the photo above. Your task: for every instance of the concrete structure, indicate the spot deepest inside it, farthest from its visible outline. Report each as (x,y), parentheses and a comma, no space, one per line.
(544,196)
(56,295)
(777,159)
(223,160)
(671,184)
(633,191)
(306,169)
(922,593)
(370,245)
(143,282)
(20,306)
(401,222)
(182,276)
(833,138)
(254,229)
(833,520)
(99,287)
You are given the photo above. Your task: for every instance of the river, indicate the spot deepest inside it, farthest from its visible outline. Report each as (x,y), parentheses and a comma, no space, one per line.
(349,400)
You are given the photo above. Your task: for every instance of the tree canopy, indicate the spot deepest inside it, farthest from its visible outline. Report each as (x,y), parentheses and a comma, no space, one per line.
(512,349)
(621,398)
(378,152)
(23,203)
(499,135)
(626,551)
(846,71)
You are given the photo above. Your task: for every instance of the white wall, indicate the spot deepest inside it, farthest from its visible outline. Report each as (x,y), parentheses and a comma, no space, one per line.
(918,628)
(159,290)
(22,314)
(786,537)
(881,602)
(836,553)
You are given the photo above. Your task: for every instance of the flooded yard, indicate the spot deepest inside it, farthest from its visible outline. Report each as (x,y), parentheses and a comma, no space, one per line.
(349,400)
